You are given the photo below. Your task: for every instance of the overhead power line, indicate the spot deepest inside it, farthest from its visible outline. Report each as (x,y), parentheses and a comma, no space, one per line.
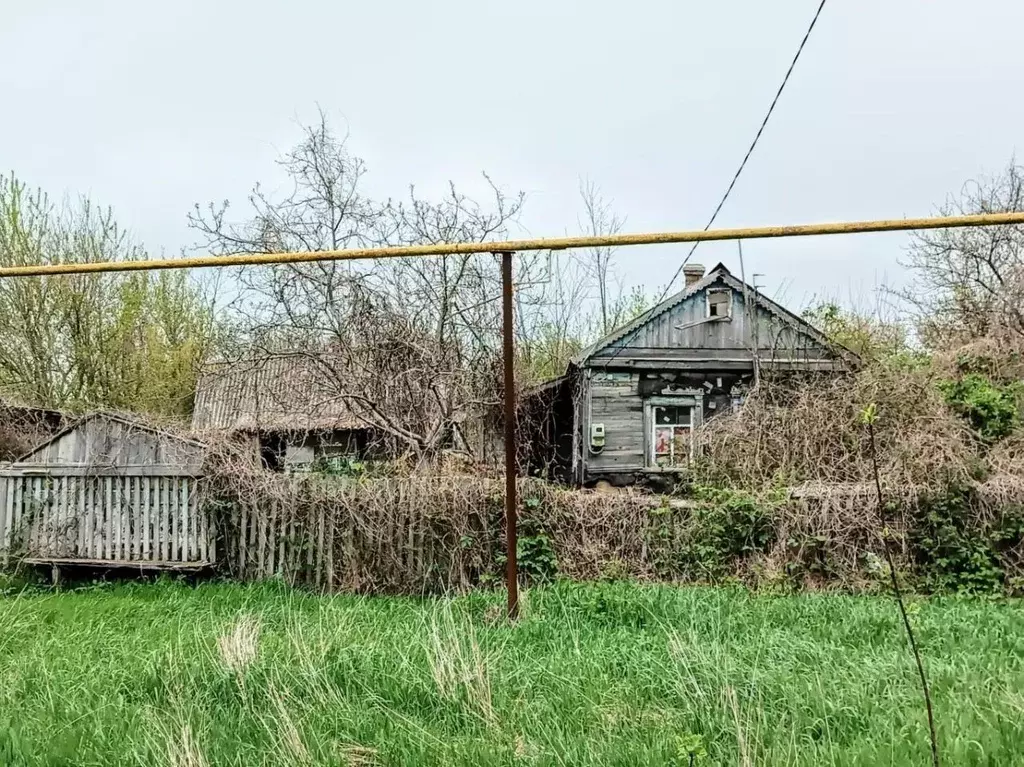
(750,151)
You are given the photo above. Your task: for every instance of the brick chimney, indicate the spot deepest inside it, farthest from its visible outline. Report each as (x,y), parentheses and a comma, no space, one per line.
(693,273)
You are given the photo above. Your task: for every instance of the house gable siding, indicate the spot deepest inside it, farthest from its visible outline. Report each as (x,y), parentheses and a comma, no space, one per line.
(685,333)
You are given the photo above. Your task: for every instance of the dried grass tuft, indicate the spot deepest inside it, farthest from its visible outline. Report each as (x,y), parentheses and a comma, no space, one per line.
(184,751)
(286,733)
(458,665)
(238,647)
(357,756)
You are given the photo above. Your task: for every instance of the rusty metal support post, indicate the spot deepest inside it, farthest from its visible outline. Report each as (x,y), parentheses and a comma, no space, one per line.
(511,503)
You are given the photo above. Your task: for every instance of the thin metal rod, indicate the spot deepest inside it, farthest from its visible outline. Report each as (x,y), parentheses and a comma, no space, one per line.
(549,243)
(511,504)
(748,315)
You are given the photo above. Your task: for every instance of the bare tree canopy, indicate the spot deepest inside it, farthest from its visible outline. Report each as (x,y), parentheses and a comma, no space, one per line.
(615,305)
(410,345)
(969,283)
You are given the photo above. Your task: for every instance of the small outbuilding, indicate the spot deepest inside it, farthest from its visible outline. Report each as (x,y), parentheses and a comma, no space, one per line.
(107,491)
(627,407)
(283,407)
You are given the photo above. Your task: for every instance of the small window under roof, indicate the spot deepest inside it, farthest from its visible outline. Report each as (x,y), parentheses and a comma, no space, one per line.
(720,302)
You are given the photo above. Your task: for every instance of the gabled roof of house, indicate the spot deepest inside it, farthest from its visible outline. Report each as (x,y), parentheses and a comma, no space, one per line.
(719,274)
(275,392)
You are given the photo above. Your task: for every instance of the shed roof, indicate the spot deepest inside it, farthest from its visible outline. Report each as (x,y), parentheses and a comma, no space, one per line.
(16,406)
(277,392)
(23,426)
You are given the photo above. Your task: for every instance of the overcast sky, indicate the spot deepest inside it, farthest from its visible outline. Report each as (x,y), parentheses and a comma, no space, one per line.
(151,107)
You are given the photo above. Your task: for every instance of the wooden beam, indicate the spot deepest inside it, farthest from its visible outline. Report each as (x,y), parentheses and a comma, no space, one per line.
(113,564)
(93,470)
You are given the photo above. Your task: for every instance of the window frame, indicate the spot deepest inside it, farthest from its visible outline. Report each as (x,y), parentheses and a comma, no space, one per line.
(691,398)
(718,291)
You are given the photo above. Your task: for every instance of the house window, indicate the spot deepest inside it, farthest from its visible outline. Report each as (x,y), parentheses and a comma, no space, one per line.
(671,439)
(720,303)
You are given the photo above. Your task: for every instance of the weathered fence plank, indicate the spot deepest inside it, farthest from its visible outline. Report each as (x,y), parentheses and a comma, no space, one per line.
(19,495)
(5,527)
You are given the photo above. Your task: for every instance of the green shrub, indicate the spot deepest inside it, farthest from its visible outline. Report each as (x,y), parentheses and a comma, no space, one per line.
(727,525)
(348,467)
(990,409)
(955,550)
(14,581)
(808,557)
(535,553)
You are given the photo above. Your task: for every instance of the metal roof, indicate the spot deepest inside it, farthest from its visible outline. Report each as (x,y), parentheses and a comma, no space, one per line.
(286,392)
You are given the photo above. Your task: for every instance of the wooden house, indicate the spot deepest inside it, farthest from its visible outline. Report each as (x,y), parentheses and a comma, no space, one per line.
(283,405)
(628,405)
(107,491)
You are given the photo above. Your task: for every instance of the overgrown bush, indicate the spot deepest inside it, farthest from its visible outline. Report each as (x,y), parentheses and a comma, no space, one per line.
(435,533)
(805,429)
(535,552)
(989,408)
(955,548)
(726,526)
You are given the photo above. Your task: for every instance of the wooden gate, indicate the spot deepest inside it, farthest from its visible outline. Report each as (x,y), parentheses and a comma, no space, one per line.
(150,518)
(108,491)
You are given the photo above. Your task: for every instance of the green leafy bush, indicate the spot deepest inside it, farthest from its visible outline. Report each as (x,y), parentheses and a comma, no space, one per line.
(351,467)
(956,550)
(535,552)
(808,557)
(727,525)
(991,409)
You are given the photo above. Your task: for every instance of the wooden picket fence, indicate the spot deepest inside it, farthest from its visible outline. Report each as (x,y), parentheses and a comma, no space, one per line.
(149,517)
(428,534)
(407,535)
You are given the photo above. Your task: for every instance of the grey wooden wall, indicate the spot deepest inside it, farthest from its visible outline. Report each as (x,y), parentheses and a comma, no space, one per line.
(684,334)
(103,440)
(615,401)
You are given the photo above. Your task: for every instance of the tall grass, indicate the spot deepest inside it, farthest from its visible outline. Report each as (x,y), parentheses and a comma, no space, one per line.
(603,674)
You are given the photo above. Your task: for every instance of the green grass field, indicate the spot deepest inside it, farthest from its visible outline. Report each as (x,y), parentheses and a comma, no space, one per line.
(169,674)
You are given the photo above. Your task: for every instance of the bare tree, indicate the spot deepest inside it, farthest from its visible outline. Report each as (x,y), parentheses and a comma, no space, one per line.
(599,219)
(409,345)
(553,317)
(969,283)
(581,298)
